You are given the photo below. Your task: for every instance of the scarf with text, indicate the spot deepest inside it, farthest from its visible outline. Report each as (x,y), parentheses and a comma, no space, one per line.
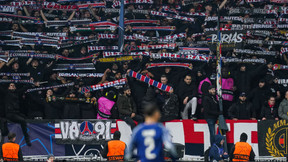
(53,23)
(117,3)
(80,66)
(103,85)
(169,64)
(141,21)
(96,28)
(253,52)
(191,57)
(15,74)
(114,10)
(76,75)
(237,60)
(16,81)
(162,28)
(102,48)
(118,59)
(111,54)
(252,41)
(70,99)
(49,87)
(178,17)
(150,81)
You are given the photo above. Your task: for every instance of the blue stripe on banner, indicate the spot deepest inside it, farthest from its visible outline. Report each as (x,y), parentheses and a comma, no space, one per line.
(155,83)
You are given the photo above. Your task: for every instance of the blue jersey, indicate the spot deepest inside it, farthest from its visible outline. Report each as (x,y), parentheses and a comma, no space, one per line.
(149,141)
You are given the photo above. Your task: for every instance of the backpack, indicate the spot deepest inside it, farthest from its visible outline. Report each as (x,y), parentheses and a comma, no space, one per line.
(206,155)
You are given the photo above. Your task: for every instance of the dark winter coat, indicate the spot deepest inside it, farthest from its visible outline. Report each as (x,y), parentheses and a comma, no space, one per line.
(242,110)
(270,113)
(211,107)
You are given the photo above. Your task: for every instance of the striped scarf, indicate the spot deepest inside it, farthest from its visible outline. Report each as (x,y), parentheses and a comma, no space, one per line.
(49,87)
(150,81)
(103,85)
(178,17)
(232,60)
(52,23)
(142,21)
(169,64)
(191,57)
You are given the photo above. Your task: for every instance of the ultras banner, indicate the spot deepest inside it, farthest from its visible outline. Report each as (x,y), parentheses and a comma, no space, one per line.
(84,132)
(229,39)
(272,137)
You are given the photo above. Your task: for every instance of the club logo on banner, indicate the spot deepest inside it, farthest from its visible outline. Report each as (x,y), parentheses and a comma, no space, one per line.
(273,139)
(229,39)
(84,132)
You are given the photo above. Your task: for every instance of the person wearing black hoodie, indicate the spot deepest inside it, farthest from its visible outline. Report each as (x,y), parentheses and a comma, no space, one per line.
(187,92)
(211,111)
(258,96)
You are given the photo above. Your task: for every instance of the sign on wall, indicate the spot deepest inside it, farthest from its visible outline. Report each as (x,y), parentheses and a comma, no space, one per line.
(84,131)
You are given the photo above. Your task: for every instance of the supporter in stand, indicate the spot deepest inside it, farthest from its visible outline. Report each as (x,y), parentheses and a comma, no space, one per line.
(242,109)
(270,110)
(283,108)
(127,108)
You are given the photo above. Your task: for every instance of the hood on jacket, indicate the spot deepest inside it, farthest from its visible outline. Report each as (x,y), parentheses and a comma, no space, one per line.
(218,139)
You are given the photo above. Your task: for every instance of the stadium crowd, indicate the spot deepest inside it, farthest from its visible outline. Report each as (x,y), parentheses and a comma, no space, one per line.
(45,44)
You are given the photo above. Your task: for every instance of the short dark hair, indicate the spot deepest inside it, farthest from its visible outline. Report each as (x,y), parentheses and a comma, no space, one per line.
(189,75)
(11,136)
(164,76)
(117,135)
(243,137)
(150,109)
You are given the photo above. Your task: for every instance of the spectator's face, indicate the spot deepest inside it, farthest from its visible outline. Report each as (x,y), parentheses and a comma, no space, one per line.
(118,76)
(188,80)
(12,86)
(15,27)
(15,66)
(242,98)
(199,74)
(49,92)
(83,50)
(270,66)
(286,95)
(87,14)
(125,66)
(212,91)
(53,76)
(65,53)
(36,14)
(243,68)
(222,142)
(208,8)
(127,92)
(167,70)
(192,10)
(271,101)
(65,30)
(164,80)
(261,84)
(87,95)
(114,67)
(35,63)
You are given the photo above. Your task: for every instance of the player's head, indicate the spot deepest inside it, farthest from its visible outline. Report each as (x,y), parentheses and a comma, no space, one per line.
(117,135)
(151,111)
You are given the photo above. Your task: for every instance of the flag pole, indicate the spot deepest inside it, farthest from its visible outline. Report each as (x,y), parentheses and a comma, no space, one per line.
(223,128)
(121,27)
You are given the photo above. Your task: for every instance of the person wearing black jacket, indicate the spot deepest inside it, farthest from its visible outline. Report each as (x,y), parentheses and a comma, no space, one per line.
(258,96)
(211,111)
(269,110)
(13,110)
(187,92)
(242,109)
